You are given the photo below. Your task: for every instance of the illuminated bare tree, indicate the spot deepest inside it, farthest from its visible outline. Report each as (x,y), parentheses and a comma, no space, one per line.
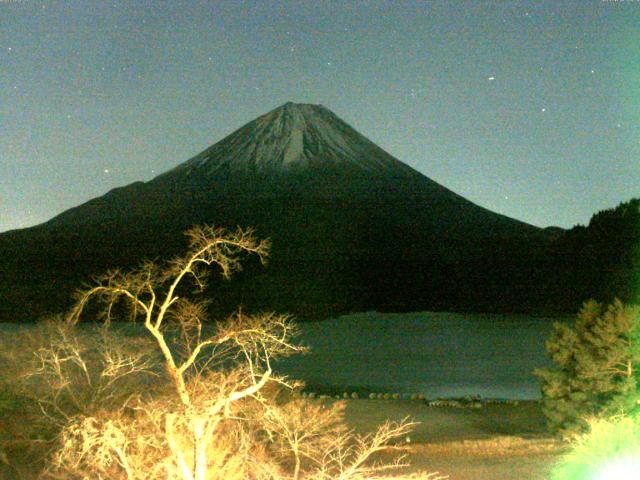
(152,293)
(224,417)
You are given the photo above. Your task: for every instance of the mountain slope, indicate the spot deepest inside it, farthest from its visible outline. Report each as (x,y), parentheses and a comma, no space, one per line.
(353,228)
(296,150)
(290,138)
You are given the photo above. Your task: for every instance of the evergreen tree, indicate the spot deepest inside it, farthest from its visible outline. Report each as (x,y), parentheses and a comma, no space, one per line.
(595,371)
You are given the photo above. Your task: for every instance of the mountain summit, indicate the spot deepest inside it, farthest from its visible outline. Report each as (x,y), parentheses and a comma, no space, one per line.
(352,228)
(292,137)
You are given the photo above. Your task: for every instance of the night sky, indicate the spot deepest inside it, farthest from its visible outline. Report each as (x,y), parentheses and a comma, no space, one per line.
(530,109)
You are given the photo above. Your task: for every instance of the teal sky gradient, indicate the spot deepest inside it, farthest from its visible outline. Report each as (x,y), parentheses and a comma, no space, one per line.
(528,108)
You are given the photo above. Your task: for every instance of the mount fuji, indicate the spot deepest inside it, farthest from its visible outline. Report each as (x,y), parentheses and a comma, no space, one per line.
(352,229)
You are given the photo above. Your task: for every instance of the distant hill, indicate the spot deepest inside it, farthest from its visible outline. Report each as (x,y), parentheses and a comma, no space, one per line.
(352,227)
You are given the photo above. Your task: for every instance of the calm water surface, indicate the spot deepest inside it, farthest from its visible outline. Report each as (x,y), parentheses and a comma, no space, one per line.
(435,354)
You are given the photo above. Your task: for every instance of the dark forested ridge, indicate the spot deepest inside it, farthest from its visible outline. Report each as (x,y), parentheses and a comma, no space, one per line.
(600,260)
(324,264)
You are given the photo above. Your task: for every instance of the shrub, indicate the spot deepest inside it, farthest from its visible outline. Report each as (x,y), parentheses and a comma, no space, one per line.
(54,373)
(595,366)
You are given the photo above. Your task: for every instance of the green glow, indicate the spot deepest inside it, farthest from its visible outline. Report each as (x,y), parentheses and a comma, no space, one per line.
(611,450)
(625,468)
(624,60)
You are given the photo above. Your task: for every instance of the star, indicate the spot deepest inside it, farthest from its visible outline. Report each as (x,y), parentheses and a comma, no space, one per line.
(106,170)
(543,109)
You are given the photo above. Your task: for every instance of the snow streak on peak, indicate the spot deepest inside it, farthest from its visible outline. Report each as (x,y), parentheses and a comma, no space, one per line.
(292,137)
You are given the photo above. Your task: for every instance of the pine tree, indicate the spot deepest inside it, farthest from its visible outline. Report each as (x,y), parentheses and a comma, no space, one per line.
(596,366)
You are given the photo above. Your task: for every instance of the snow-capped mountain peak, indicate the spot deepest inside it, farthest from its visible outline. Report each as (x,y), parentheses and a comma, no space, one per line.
(291,137)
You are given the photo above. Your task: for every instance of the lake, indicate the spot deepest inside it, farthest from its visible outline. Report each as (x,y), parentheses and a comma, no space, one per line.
(435,354)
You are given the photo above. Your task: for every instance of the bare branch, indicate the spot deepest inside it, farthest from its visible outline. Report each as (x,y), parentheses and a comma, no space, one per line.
(224,396)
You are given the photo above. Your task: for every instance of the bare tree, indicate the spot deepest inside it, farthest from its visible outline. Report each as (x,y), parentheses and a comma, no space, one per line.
(224,416)
(152,293)
(76,373)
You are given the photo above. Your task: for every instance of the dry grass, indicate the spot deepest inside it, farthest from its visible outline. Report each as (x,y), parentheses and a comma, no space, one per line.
(492,447)
(503,458)
(506,442)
